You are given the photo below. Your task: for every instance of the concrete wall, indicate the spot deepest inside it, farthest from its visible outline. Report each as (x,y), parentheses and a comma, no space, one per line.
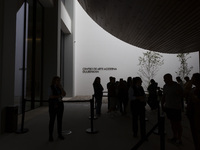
(69,52)
(7,64)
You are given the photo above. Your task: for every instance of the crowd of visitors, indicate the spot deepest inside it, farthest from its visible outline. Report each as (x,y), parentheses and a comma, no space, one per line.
(129,96)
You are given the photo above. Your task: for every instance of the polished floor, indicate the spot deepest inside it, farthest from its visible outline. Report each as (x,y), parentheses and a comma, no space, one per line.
(114,131)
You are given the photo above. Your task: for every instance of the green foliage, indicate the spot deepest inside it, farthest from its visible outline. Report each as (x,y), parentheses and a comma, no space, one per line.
(149,64)
(183,70)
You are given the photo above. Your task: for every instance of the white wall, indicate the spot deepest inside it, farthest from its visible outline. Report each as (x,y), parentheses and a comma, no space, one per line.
(94,47)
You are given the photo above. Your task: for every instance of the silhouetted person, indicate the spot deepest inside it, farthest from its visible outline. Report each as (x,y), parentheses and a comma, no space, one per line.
(187,79)
(56,107)
(129,84)
(171,104)
(180,81)
(112,94)
(108,85)
(153,97)
(193,108)
(137,104)
(122,96)
(187,86)
(98,94)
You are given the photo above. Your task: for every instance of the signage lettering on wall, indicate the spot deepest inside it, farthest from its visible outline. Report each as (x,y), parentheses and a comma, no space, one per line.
(97,70)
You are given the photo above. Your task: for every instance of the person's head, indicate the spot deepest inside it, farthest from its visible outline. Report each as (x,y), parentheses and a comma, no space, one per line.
(178,79)
(152,81)
(196,79)
(167,78)
(121,80)
(113,79)
(186,78)
(55,80)
(138,81)
(97,80)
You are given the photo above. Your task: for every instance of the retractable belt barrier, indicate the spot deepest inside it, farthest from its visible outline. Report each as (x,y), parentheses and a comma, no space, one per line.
(89,130)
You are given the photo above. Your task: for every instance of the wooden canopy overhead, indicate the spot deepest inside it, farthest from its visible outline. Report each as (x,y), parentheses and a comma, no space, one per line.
(167,26)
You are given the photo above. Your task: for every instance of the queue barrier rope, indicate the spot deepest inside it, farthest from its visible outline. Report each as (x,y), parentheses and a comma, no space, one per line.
(89,130)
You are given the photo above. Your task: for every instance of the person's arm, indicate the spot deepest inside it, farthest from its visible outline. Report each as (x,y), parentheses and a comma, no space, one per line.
(63,93)
(163,102)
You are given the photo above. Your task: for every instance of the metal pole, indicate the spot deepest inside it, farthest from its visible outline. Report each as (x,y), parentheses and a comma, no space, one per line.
(91,130)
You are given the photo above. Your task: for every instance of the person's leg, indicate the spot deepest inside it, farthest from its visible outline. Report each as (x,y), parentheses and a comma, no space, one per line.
(52,116)
(59,120)
(134,114)
(142,123)
(99,103)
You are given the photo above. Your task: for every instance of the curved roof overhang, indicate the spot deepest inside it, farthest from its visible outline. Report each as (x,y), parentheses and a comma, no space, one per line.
(167,26)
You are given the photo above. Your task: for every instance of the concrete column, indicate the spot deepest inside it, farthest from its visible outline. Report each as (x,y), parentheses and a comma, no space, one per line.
(8,9)
(50,60)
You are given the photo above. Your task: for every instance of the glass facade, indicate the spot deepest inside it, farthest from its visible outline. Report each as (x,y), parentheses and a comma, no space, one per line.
(29,86)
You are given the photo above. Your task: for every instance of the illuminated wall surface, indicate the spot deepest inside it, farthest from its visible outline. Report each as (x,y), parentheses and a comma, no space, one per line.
(98,53)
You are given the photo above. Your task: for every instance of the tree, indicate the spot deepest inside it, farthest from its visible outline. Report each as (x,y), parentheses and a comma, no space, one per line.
(183,70)
(149,64)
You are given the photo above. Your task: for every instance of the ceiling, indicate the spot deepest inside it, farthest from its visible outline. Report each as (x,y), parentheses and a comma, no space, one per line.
(167,26)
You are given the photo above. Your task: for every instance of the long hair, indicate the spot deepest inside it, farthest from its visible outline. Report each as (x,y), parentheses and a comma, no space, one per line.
(96,80)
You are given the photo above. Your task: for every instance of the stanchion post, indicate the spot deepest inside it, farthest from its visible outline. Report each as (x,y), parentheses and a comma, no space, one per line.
(22,129)
(94,107)
(91,130)
(162,132)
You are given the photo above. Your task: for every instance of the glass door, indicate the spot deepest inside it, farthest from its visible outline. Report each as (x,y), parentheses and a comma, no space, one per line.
(29,54)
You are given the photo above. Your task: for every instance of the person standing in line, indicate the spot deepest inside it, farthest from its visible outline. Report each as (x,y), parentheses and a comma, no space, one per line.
(193,108)
(129,84)
(153,97)
(56,107)
(171,105)
(122,96)
(108,86)
(137,106)
(112,90)
(186,86)
(180,81)
(98,94)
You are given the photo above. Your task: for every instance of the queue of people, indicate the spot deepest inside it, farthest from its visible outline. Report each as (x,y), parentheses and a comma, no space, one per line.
(173,96)
(130,93)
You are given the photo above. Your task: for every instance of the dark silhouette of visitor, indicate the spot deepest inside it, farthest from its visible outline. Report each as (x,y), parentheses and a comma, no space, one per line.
(56,107)
(153,97)
(187,85)
(171,105)
(179,81)
(193,108)
(98,94)
(187,79)
(122,96)
(137,106)
(108,85)
(112,95)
